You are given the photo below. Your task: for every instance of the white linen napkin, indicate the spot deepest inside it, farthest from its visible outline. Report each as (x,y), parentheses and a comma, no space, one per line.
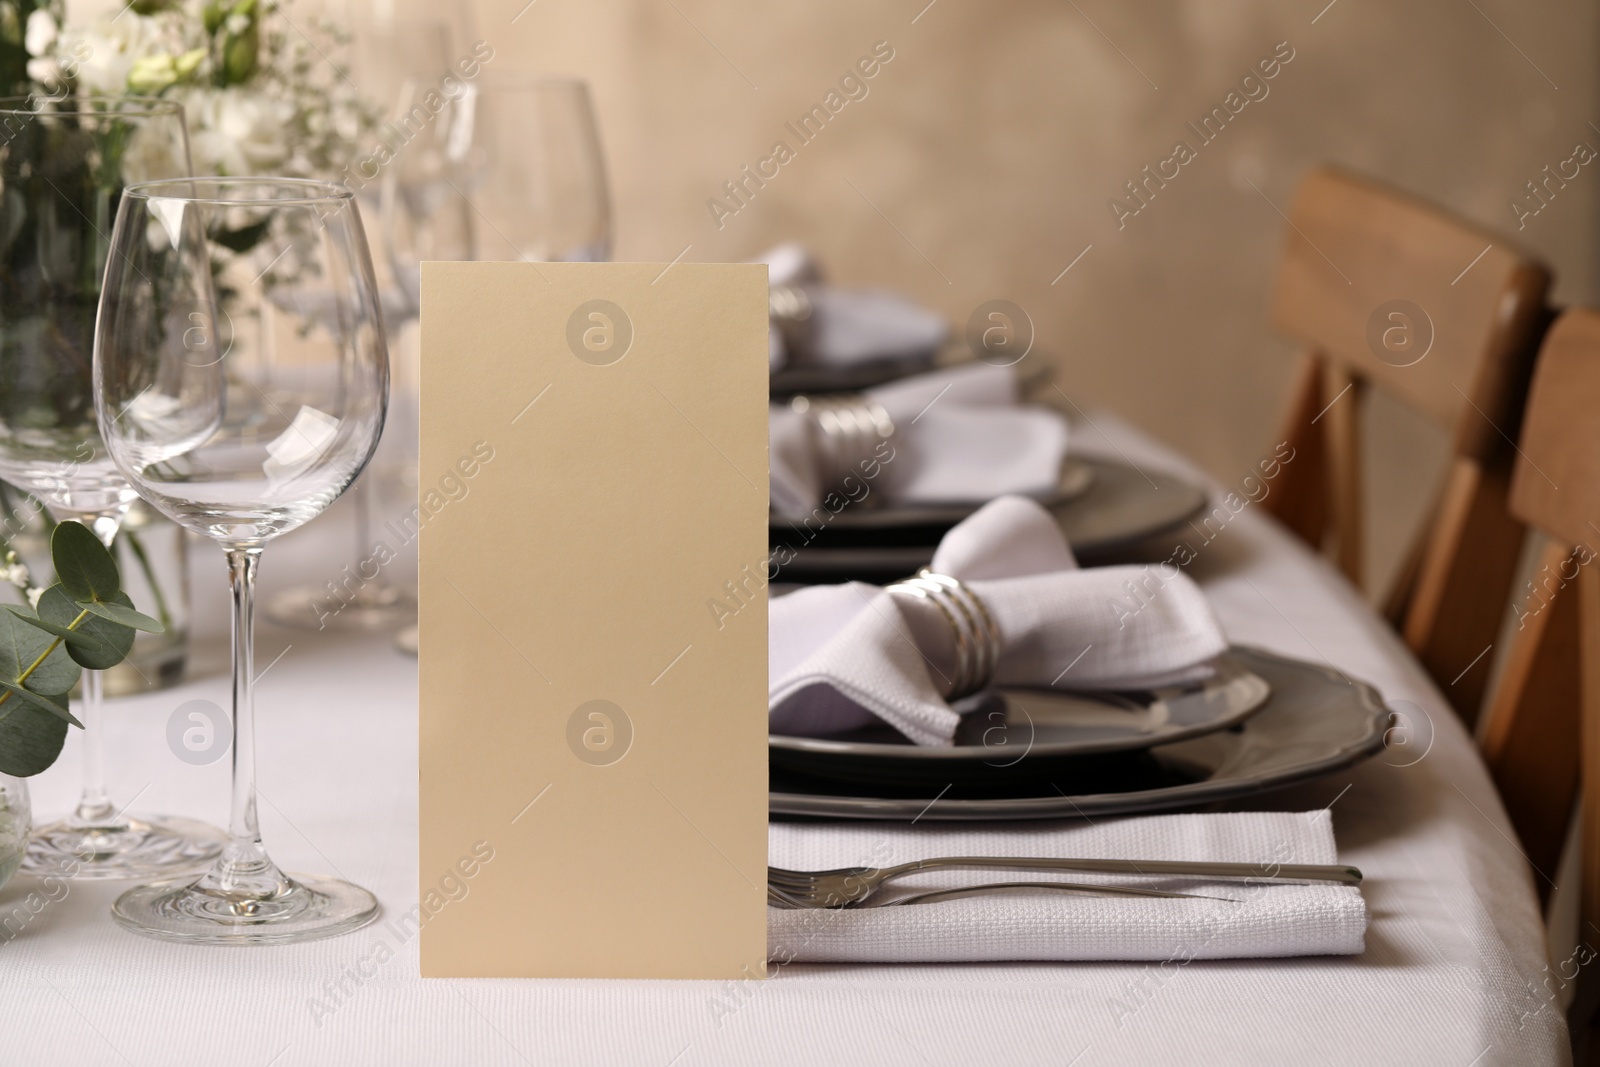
(840,655)
(1267,921)
(849,326)
(960,437)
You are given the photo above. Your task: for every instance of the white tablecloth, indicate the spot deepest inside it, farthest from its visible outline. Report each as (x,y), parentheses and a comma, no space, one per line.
(1454,971)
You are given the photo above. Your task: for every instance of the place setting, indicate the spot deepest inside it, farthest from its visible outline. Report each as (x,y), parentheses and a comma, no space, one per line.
(888,430)
(1004,682)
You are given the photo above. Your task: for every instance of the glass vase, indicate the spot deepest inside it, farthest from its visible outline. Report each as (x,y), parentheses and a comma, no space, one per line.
(153,555)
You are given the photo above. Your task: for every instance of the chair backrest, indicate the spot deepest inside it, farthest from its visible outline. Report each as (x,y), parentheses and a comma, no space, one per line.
(1541,733)
(1391,293)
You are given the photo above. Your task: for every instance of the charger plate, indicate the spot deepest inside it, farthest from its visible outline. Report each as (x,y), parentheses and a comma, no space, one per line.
(1103,507)
(1047,728)
(1316,721)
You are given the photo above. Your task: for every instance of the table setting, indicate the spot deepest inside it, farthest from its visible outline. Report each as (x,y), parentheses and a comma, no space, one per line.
(1070,753)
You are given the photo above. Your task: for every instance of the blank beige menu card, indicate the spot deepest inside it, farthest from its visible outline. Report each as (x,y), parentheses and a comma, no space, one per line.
(592,525)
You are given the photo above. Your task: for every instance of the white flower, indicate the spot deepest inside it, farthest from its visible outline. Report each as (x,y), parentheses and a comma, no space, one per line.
(33,597)
(153,153)
(238,131)
(104,54)
(44,69)
(40,34)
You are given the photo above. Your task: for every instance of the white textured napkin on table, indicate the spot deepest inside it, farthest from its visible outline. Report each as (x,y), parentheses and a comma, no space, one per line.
(841,656)
(1262,921)
(960,436)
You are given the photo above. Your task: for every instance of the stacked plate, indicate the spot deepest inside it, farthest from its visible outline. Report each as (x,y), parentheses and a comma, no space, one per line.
(1262,722)
(1104,507)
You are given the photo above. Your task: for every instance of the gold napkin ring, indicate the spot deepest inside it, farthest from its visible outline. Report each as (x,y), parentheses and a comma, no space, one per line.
(846,430)
(977,637)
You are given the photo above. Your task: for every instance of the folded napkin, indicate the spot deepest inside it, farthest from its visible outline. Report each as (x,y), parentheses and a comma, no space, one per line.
(849,326)
(960,436)
(1277,920)
(841,656)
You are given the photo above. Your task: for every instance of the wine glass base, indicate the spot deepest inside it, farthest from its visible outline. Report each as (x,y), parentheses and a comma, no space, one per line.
(304,908)
(160,846)
(374,608)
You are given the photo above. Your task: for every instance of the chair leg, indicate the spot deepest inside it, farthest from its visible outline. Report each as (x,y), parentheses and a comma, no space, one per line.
(1343,418)
(1463,583)
(1585,1020)
(1530,735)
(1299,500)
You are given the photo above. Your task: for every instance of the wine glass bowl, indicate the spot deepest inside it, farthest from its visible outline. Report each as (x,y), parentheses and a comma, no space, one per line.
(533,170)
(238,472)
(241,452)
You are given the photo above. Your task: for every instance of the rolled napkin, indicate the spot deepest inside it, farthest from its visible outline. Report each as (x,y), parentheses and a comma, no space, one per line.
(1262,920)
(843,656)
(841,327)
(959,436)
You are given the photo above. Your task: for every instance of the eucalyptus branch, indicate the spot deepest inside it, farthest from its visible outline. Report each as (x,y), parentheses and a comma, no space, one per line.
(25,675)
(83,622)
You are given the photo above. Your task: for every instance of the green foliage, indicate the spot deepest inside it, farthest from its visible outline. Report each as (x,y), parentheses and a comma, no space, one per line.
(107,644)
(83,566)
(83,621)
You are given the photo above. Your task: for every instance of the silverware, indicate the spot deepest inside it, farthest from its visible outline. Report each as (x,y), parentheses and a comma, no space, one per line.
(850,886)
(779,899)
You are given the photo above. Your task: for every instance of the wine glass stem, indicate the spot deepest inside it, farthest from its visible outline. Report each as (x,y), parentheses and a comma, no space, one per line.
(94,806)
(242,824)
(366,504)
(244,869)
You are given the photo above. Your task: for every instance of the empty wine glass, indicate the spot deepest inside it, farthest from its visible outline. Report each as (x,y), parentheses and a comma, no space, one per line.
(523,156)
(532,170)
(240,473)
(63,166)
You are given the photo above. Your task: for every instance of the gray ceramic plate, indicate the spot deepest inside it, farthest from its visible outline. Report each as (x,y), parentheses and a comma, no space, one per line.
(1315,722)
(1046,727)
(1077,477)
(1114,506)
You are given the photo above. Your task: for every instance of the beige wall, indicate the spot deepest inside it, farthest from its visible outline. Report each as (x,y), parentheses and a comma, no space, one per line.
(993,139)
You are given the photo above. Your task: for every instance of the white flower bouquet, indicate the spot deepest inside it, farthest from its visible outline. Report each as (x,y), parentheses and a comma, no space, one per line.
(261,92)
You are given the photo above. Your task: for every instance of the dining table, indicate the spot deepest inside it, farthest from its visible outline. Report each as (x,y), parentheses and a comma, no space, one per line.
(1454,971)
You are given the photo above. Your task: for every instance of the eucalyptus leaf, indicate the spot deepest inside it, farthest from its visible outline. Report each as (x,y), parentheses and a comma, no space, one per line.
(30,738)
(38,700)
(21,645)
(111,641)
(79,638)
(121,611)
(83,565)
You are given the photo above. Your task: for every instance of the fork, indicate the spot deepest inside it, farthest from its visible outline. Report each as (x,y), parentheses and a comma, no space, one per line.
(849,886)
(780,899)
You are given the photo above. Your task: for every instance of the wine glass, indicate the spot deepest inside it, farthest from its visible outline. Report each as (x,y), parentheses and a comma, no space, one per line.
(238,473)
(534,175)
(524,157)
(407,65)
(63,165)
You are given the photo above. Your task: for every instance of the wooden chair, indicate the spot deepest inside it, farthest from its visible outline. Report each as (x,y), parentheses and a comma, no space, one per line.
(1541,732)
(1391,293)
